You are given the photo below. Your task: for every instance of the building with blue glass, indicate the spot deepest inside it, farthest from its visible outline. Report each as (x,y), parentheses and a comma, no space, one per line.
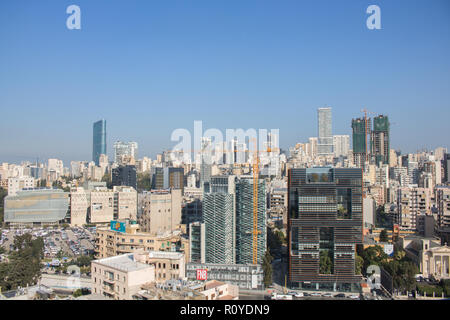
(99,140)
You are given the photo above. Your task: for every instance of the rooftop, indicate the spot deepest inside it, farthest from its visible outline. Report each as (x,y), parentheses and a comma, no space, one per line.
(124,262)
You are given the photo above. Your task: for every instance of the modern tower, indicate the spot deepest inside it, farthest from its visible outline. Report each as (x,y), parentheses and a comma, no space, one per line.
(99,141)
(219,216)
(360,130)
(380,149)
(324,226)
(325,142)
(244,221)
(122,149)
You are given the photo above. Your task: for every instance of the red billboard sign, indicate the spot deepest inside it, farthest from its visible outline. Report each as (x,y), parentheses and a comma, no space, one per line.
(202,274)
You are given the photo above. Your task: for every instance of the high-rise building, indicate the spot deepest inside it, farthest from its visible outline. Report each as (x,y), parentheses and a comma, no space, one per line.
(244,221)
(325,222)
(447,167)
(380,147)
(360,130)
(325,138)
(341,145)
(219,216)
(124,176)
(99,140)
(125,149)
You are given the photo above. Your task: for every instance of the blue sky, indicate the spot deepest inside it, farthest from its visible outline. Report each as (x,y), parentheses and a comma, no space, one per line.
(151,66)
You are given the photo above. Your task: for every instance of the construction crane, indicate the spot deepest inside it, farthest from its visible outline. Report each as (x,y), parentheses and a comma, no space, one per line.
(255,203)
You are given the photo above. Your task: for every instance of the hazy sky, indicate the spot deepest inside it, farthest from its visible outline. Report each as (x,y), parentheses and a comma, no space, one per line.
(151,66)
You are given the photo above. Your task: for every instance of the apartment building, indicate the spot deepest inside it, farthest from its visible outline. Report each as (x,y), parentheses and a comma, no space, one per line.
(120,277)
(411,202)
(161,211)
(109,242)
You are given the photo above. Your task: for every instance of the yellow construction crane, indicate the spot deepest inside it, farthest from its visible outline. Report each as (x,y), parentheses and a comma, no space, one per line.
(255,203)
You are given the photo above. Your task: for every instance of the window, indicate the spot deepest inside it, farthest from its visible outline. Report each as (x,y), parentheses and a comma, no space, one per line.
(294,240)
(326,250)
(344,203)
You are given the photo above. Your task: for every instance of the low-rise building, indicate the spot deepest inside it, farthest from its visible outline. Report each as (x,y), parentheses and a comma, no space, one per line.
(120,277)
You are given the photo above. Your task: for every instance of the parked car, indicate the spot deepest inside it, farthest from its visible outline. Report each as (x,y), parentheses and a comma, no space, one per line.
(340,295)
(315,294)
(354,296)
(327,295)
(299,295)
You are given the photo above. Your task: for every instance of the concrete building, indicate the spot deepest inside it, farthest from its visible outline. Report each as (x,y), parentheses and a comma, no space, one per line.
(99,205)
(110,242)
(168,265)
(369,212)
(325,137)
(341,145)
(121,149)
(411,202)
(161,211)
(120,277)
(432,257)
(17,184)
(443,205)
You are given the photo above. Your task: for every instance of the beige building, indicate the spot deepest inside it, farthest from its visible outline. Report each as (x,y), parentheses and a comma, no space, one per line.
(110,243)
(168,265)
(101,205)
(161,211)
(412,202)
(433,259)
(217,290)
(120,277)
(125,200)
(79,204)
(443,206)
(17,184)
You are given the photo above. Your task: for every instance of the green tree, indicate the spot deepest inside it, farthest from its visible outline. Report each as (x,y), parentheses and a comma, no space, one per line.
(107,178)
(24,263)
(267,268)
(384,236)
(143,181)
(326,262)
(359,263)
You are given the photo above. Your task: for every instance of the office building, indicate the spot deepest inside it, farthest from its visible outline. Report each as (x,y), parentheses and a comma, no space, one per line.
(124,176)
(99,140)
(325,138)
(446,167)
(324,226)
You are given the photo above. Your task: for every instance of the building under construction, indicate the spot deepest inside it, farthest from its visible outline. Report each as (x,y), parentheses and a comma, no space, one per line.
(379,142)
(360,128)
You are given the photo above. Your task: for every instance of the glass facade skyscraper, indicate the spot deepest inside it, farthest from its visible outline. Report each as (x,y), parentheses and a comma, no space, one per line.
(325,141)
(99,141)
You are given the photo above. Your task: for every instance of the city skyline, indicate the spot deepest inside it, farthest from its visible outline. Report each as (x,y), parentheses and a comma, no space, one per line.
(164,66)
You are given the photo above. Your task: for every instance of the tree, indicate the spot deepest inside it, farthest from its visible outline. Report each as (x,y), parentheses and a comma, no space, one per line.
(384,236)
(107,178)
(24,267)
(267,268)
(326,262)
(143,181)
(359,263)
